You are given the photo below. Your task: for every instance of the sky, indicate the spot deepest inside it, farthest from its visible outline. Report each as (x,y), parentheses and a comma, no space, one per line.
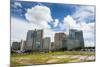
(52,18)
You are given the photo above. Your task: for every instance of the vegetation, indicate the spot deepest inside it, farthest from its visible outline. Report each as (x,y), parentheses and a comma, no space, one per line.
(47,58)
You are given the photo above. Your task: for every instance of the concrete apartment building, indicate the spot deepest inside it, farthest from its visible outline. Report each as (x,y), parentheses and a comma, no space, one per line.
(18,46)
(71,44)
(46,44)
(52,47)
(74,41)
(29,40)
(58,40)
(15,46)
(34,40)
(22,45)
(77,35)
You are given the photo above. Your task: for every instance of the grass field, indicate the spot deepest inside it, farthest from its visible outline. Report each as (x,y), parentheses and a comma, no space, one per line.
(36,58)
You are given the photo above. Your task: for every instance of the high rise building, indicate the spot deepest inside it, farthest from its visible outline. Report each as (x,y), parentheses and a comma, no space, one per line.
(29,40)
(77,35)
(15,46)
(34,40)
(64,43)
(22,45)
(58,40)
(52,47)
(74,41)
(46,44)
(38,40)
(72,44)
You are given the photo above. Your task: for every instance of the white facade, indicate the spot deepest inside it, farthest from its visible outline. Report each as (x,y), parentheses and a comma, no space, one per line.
(46,44)
(22,46)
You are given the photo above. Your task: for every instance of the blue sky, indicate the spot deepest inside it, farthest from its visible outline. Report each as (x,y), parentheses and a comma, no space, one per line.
(52,17)
(55,8)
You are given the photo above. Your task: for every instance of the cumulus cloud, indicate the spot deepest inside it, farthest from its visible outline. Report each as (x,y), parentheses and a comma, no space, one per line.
(83,19)
(58,26)
(69,22)
(19,29)
(38,18)
(56,22)
(39,15)
(83,13)
(49,33)
(62,27)
(86,17)
(17,4)
(87,28)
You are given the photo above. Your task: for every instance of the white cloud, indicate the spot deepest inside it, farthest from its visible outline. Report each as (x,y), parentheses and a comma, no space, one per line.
(85,16)
(82,19)
(39,15)
(62,26)
(56,22)
(69,21)
(84,13)
(49,33)
(87,28)
(19,29)
(16,4)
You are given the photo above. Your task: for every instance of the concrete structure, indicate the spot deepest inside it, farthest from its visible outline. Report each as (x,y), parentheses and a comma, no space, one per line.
(73,44)
(34,40)
(64,44)
(15,46)
(52,47)
(58,40)
(38,40)
(46,44)
(74,40)
(22,46)
(29,40)
(77,35)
